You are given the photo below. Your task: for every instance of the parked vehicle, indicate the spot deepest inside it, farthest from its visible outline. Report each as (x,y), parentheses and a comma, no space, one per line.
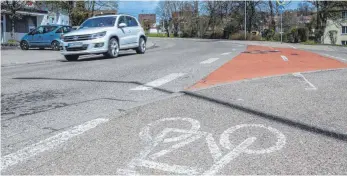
(44,36)
(74,28)
(104,35)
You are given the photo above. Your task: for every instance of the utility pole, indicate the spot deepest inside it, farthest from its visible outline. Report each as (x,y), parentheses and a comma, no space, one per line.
(281,29)
(245,20)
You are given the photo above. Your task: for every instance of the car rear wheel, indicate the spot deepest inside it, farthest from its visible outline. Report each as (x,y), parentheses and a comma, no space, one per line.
(24,45)
(55,46)
(113,48)
(141,49)
(71,57)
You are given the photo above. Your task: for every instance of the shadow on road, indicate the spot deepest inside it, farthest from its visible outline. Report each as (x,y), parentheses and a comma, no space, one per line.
(248,110)
(98,57)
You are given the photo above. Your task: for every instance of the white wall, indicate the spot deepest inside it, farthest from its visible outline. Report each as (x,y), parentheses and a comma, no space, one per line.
(17,36)
(334,26)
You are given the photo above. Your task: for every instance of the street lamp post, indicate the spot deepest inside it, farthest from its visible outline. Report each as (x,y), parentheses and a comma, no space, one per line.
(245,20)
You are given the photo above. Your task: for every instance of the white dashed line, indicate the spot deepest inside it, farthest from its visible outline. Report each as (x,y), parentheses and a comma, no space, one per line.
(49,143)
(335,57)
(223,54)
(312,87)
(159,82)
(284,58)
(208,61)
(292,46)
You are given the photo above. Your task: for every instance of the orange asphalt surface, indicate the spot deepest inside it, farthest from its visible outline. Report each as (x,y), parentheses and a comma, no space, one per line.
(260,63)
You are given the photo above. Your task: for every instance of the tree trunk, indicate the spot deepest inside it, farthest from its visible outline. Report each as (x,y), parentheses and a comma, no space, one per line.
(272,20)
(12,28)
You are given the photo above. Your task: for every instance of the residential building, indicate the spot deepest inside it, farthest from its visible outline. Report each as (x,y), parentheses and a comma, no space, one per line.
(147,19)
(31,17)
(340,26)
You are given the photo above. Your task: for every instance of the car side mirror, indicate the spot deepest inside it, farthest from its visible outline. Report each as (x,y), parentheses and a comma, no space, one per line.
(122,25)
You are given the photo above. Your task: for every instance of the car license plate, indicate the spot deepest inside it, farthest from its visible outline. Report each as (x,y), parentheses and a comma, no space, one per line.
(76,44)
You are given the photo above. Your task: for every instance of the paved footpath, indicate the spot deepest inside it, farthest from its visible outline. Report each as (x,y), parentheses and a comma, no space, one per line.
(243,111)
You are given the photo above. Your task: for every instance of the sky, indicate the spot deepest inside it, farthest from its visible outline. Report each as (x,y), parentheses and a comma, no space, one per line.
(135,8)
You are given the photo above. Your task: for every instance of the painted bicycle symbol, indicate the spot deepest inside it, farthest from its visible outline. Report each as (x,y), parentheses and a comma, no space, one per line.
(146,158)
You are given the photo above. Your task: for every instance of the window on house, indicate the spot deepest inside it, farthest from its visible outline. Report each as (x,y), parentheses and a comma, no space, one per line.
(344,42)
(344,14)
(344,29)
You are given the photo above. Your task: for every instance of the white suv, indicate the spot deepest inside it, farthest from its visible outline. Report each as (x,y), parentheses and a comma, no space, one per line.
(104,35)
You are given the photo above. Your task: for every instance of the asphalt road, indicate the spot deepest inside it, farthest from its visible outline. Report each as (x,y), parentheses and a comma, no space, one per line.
(134,115)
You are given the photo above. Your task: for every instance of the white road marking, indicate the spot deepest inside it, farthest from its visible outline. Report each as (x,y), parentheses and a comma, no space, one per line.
(335,57)
(166,167)
(292,46)
(234,49)
(216,167)
(223,54)
(49,143)
(159,82)
(214,149)
(312,87)
(188,136)
(284,58)
(175,147)
(208,61)
(281,139)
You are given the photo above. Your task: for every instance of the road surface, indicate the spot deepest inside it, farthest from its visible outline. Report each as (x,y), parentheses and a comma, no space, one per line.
(198,107)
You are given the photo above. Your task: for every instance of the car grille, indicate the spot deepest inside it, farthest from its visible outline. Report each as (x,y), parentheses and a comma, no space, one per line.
(84,47)
(77,38)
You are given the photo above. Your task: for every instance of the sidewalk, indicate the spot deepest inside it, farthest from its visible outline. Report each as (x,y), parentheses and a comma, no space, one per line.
(18,56)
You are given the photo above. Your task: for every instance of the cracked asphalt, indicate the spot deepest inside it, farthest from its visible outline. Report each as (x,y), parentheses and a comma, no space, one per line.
(151,123)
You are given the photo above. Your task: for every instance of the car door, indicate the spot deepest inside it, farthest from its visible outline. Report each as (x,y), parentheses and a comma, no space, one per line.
(37,37)
(49,35)
(134,29)
(123,33)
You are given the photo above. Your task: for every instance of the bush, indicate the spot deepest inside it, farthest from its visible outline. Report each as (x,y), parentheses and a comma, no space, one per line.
(303,34)
(269,34)
(241,36)
(309,42)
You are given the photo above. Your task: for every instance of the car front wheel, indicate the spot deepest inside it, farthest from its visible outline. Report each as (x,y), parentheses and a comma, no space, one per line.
(71,57)
(113,48)
(24,45)
(141,49)
(55,46)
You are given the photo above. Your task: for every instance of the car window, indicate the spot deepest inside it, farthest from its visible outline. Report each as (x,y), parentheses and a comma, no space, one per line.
(60,30)
(66,29)
(131,21)
(99,22)
(47,29)
(122,19)
(39,30)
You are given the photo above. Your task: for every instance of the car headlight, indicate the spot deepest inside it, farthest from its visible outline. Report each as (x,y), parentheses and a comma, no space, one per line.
(98,35)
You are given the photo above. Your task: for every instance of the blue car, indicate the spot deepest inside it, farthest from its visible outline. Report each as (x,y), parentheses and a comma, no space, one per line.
(44,36)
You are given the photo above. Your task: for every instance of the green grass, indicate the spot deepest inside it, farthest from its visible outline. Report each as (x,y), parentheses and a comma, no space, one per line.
(309,42)
(159,35)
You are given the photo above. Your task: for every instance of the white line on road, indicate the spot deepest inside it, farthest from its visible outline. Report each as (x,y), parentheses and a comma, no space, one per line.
(284,58)
(47,144)
(159,82)
(223,54)
(208,61)
(312,87)
(334,57)
(292,46)
(234,49)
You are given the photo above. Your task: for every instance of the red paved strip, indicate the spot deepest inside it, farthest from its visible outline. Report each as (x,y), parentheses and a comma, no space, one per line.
(259,62)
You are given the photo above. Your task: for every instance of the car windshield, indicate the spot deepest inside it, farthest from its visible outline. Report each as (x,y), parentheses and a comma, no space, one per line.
(99,22)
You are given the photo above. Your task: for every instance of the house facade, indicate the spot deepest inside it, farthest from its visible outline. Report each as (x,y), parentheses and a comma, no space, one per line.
(336,29)
(31,17)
